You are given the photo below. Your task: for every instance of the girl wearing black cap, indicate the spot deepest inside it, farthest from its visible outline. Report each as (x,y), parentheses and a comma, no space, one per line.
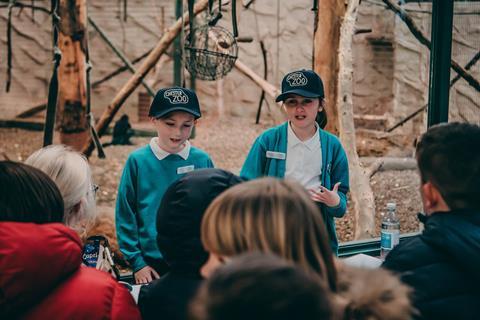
(299,149)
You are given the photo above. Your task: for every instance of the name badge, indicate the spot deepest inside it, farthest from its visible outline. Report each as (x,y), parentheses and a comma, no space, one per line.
(276,155)
(181,170)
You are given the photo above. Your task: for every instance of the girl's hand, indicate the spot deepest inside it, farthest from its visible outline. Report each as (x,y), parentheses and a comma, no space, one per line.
(145,275)
(328,197)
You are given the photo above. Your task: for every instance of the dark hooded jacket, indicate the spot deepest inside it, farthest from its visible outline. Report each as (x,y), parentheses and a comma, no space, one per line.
(442,265)
(178,226)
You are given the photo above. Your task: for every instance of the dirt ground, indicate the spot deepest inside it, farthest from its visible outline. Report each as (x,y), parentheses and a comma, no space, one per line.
(227,141)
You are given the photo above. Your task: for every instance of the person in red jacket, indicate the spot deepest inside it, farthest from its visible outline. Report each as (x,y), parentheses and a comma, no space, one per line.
(40,258)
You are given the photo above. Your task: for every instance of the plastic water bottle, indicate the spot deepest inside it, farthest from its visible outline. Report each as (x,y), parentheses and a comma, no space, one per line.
(390,232)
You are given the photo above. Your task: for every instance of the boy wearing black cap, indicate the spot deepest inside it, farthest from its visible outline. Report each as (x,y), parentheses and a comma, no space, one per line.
(148,173)
(299,149)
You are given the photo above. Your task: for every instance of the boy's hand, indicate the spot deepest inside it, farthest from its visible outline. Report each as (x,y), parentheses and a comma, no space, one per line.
(323,195)
(145,275)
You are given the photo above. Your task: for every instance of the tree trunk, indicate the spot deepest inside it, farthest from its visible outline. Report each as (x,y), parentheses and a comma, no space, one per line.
(325,50)
(72,41)
(362,199)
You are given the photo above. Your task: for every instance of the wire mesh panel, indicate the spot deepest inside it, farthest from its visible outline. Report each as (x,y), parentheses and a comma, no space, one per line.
(464,97)
(210,52)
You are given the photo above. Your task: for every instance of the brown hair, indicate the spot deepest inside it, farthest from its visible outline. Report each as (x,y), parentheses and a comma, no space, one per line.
(448,156)
(260,286)
(274,216)
(28,195)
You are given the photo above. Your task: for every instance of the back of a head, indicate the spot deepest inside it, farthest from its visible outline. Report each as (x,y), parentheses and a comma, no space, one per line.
(273,216)
(28,195)
(71,172)
(258,286)
(448,156)
(180,214)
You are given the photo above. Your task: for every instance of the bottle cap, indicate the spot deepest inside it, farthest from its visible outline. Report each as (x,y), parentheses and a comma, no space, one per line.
(391,206)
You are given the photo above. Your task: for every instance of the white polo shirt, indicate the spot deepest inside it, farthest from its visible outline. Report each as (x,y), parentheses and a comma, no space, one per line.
(304,159)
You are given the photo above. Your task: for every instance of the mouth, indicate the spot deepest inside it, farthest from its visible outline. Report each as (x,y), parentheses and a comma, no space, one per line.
(300,117)
(173,140)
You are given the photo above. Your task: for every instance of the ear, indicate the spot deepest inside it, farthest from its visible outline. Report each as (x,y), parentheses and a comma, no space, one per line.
(321,105)
(431,197)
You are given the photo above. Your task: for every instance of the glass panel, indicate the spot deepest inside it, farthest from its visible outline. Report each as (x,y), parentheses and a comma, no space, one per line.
(391,75)
(464,98)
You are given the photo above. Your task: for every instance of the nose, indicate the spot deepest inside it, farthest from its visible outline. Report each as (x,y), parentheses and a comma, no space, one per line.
(300,107)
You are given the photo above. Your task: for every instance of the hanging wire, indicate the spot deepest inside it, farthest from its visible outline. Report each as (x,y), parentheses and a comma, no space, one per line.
(182,42)
(234,18)
(11,4)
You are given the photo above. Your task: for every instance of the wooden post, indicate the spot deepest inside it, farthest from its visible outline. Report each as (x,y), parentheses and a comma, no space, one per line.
(325,48)
(72,41)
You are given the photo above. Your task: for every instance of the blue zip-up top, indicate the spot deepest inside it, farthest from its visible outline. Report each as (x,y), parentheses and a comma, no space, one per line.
(334,168)
(144,181)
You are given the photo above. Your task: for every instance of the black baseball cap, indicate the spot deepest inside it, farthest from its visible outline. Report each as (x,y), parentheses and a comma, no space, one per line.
(174,99)
(305,83)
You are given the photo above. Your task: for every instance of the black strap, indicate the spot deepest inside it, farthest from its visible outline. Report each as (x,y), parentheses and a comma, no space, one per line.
(53,86)
(234,18)
(315,5)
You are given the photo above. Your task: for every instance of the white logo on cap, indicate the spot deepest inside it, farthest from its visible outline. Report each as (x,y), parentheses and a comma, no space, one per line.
(176,96)
(296,79)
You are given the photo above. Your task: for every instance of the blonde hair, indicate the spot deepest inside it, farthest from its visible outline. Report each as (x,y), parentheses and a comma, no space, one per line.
(71,172)
(273,216)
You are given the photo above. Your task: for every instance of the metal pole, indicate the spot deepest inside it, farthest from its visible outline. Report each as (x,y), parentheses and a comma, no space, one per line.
(177,50)
(440,61)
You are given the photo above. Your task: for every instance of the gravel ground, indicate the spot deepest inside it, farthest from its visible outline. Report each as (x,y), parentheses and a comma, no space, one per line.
(228,142)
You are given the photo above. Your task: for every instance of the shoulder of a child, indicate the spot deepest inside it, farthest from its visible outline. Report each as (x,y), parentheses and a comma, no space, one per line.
(272,132)
(140,152)
(197,152)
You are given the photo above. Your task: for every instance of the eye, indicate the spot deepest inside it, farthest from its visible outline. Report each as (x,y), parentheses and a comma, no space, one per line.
(307,101)
(170,124)
(187,125)
(291,102)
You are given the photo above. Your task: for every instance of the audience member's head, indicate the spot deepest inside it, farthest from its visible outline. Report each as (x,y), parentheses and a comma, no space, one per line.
(257,286)
(448,158)
(272,216)
(71,172)
(28,195)
(180,214)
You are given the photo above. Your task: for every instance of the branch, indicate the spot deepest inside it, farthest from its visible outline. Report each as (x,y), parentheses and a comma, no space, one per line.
(470,64)
(423,40)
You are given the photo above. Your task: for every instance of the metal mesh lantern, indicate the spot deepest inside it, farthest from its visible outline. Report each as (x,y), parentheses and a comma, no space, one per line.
(210,52)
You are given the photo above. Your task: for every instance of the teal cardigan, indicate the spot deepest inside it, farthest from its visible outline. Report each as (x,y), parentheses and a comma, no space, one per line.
(334,169)
(144,180)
